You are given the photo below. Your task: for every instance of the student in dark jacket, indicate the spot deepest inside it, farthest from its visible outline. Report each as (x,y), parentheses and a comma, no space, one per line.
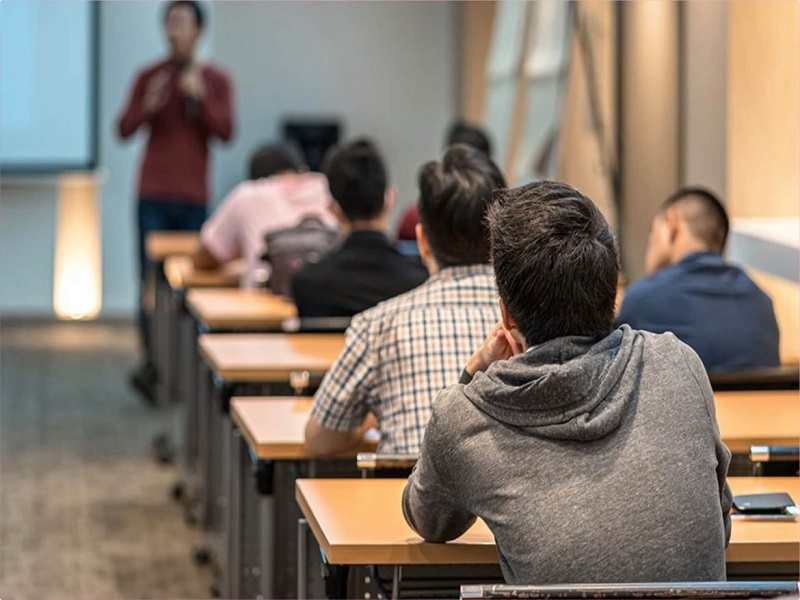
(592,454)
(365,269)
(692,291)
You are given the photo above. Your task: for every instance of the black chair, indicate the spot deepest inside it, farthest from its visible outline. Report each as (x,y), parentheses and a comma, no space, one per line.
(634,591)
(775,460)
(385,466)
(778,378)
(315,325)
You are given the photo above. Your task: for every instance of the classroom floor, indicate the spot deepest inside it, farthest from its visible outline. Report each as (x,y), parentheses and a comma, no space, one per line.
(85,511)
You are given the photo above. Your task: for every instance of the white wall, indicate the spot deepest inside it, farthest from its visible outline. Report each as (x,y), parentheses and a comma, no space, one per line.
(130,37)
(387,69)
(27,242)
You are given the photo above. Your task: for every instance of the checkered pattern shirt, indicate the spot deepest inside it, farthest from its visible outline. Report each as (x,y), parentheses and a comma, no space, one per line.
(400,354)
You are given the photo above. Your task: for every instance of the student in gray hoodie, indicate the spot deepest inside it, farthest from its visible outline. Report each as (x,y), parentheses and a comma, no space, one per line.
(592,454)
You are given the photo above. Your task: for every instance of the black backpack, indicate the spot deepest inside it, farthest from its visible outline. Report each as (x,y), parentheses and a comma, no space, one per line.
(291,248)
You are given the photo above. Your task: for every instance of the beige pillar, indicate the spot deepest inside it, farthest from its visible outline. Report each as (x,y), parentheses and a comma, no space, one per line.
(649,120)
(581,150)
(477,21)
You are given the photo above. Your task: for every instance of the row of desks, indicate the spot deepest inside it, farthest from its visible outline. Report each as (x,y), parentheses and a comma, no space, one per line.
(360,521)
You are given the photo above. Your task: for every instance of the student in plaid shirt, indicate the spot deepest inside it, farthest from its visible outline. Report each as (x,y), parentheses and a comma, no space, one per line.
(401,353)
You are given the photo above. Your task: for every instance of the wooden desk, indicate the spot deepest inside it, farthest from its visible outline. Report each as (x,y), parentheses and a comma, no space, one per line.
(273,430)
(758,418)
(161,244)
(268,357)
(220,308)
(275,427)
(181,274)
(360,522)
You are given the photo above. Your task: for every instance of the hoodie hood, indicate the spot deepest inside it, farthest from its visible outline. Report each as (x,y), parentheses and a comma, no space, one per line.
(570,388)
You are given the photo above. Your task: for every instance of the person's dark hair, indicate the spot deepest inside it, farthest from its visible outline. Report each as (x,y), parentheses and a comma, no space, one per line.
(275,158)
(461,132)
(454,194)
(555,261)
(706,217)
(197,10)
(357,179)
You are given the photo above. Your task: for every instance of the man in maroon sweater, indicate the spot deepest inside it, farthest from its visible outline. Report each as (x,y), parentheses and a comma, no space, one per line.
(183,104)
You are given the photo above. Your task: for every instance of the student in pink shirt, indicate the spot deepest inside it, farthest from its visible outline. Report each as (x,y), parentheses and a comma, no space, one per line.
(280,194)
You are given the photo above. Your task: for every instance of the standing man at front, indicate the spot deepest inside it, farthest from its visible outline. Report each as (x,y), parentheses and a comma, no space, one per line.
(183,103)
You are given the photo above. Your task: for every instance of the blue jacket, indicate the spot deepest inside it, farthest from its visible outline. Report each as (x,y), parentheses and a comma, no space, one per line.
(712,306)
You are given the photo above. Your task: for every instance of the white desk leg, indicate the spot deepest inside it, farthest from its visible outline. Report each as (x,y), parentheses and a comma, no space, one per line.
(397,576)
(266,504)
(302,559)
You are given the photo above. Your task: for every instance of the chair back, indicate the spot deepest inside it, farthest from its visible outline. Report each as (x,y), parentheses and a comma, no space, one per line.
(778,378)
(634,591)
(375,464)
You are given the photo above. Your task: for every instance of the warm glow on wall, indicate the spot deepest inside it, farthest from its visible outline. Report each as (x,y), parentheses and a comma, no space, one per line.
(77,283)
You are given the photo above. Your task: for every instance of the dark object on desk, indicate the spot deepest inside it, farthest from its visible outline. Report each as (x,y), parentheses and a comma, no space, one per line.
(630,591)
(315,325)
(775,460)
(315,138)
(762,504)
(385,466)
(778,378)
(761,454)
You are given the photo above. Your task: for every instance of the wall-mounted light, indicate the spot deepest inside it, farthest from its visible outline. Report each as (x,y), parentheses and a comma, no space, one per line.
(77,277)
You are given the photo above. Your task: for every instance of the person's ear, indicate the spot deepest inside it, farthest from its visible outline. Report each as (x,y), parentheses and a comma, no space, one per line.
(425,251)
(657,253)
(672,223)
(510,325)
(508,321)
(422,241)
(389,200)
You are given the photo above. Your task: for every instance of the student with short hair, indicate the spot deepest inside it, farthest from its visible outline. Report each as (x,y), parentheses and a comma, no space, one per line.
(401,353)
(692,291)
(365,269)
(280,193)
(459,132)
(592,454)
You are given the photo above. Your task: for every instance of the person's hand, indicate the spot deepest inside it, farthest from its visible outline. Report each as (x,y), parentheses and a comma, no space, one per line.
(191,82)
(499,345)
(370,422)
(156,94)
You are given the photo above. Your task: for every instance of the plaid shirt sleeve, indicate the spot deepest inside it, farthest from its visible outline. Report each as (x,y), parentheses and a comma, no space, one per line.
(343,399)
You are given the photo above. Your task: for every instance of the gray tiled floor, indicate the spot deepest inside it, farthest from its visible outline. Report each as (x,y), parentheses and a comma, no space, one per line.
(84,510)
